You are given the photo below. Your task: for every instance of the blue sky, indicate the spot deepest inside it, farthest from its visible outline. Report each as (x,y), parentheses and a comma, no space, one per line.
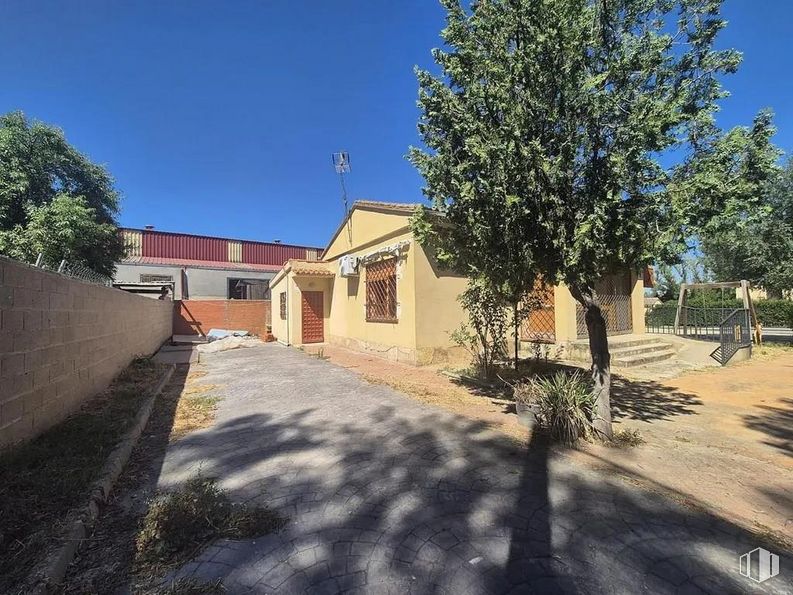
(220,117)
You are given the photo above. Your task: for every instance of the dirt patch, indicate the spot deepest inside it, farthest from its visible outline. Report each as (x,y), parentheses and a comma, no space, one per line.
(105,562)
(43,481)
(429,386)
(720,439)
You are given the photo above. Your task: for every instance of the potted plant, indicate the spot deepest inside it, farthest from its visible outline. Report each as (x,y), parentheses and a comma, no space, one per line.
(527,402)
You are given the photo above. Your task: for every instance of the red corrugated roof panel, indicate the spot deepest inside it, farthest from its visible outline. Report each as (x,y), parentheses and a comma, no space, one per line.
(175,245)
(164,244)
(260,253)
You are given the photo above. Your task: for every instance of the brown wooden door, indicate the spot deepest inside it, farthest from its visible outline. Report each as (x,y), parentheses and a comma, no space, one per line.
(313,328)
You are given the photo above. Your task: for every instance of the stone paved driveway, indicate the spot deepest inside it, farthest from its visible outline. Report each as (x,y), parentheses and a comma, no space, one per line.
(386,495)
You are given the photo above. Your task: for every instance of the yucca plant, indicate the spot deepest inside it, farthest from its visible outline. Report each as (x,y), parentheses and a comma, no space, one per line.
(566,403)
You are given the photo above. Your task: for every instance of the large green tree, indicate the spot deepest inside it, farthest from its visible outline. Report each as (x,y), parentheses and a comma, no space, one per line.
(567,120)
(754,239)
(53,200)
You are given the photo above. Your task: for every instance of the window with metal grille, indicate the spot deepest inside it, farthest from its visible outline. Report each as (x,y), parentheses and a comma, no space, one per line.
(282,300)
(249,289)
(381,286)
(156,278)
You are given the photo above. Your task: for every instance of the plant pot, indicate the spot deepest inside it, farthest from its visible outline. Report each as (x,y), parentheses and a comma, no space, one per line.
(527,414)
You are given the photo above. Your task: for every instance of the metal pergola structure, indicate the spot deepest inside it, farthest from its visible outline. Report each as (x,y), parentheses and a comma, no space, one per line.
(732,325)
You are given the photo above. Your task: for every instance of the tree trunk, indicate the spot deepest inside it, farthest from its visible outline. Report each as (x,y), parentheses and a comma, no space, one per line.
(601,361)
(517,330)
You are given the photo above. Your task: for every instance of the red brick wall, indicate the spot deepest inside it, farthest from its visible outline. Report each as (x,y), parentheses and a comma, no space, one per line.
(62,341)
(194,317)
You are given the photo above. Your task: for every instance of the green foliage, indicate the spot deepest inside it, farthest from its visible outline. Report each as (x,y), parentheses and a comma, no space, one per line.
(755,242)
(770,313)
(777,313)
(53,200)
(546,129)
(484,334)
(566,403)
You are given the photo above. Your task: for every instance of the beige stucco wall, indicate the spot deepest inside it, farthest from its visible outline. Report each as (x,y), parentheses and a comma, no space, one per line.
(279,326)
(348,324)
(438,311)
(428,309)
(637,302)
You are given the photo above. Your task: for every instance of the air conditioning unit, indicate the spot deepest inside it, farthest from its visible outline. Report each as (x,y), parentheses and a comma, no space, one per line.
(348,266)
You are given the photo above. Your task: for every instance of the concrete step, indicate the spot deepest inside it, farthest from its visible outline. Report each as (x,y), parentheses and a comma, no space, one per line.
(619,342)
(641,359)
(638,349)
(580,349)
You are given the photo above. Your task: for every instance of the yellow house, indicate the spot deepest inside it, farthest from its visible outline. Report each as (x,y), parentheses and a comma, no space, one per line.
(376,290)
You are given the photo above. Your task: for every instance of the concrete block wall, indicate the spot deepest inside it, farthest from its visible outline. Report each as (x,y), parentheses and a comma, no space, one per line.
(193,317)
(63,341)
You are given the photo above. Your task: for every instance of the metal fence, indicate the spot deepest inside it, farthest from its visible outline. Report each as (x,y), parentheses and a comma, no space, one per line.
(75,271)
(614,295)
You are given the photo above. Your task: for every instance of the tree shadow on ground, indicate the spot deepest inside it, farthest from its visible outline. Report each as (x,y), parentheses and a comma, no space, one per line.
(649,401)
(387,496)
(776,422)
(104,561)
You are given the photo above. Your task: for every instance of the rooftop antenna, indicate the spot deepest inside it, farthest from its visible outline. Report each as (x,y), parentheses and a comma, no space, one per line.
(341,162)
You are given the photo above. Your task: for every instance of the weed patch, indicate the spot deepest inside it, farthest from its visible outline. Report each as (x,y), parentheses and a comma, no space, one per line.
(190,586)
(195,409)
(624,438)
(181,522)
(41,481)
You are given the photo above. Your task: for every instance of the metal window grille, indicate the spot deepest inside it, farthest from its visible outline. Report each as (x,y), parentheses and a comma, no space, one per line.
(381,288)
(540,325)
(614,295)
(156,278)
(282,304)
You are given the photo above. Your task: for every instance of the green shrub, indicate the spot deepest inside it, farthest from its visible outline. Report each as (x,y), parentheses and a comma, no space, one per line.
(769,312)
(566,404)
(775,312)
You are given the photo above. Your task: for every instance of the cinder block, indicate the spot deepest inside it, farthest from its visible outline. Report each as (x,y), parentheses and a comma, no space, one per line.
(12,320)
(32,321)
(12,364)
(6,296)
(11,411)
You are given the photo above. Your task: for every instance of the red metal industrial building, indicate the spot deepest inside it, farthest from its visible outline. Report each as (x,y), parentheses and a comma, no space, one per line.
(202,272)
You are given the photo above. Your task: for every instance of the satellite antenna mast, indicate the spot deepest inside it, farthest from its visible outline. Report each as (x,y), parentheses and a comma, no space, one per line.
(341,161)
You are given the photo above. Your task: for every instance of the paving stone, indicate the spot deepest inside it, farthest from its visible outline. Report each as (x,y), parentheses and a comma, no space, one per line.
(387,495)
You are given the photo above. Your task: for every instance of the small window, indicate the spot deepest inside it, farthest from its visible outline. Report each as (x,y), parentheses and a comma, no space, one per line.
(282,300)
(381,286)
(249,289)
(156,279)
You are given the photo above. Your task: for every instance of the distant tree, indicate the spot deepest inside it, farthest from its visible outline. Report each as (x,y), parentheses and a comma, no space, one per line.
(771,238)
(53,200)
(755,242)
(556,121)
(723,196)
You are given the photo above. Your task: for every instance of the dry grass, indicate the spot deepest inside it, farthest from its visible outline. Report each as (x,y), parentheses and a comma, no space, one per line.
(190,586)
(195,409)
(43,480)
(106,562)
(181,522)
(625,438)
(770,350)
